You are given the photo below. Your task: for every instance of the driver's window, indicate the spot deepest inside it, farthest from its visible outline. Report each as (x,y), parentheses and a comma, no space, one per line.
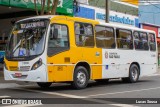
(58,36)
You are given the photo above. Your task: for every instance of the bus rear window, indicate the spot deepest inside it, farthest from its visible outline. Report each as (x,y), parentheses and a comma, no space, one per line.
(152,42)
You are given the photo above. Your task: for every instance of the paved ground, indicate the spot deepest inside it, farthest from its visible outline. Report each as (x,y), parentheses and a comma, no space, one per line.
(102,95)
(148,87)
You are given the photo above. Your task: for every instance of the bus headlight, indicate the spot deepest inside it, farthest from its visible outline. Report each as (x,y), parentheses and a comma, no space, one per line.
(37,64)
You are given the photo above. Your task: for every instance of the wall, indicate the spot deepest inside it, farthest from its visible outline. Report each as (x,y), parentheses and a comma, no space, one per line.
(149,14)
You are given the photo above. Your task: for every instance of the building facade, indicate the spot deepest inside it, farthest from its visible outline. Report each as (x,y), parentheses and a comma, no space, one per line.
(115,16)
(149,19)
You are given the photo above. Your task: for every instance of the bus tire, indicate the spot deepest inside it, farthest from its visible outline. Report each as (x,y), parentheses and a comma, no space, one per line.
(80,78)
(44,84)
(134,72)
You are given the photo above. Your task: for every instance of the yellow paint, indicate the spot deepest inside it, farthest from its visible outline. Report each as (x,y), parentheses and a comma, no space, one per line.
(76,54)
(10,64)
(134,2)
(60,73)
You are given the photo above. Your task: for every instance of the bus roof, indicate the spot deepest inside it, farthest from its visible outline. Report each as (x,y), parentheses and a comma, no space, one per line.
(79,19)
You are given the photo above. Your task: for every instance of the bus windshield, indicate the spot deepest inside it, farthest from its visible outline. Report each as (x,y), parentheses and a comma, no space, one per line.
(27,39)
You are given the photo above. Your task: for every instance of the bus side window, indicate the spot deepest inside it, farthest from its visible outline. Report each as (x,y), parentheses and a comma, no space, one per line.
(152,43)
(141,40)
(105,37)
(58,36)
(144,41)
(136,40)
(84,34)
(124,39)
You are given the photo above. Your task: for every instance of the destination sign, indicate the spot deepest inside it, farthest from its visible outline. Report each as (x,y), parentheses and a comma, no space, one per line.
(33,25)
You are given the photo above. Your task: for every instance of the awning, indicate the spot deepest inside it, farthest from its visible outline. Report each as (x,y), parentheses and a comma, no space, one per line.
(134,2)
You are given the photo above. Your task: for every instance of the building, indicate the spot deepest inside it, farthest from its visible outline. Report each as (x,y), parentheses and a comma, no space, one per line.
(149,13)
(119,12)
(13,10)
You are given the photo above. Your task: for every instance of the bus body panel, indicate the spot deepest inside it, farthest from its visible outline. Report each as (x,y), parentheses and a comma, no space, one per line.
(104,63)
(116,62)
(61,70)
(23,68)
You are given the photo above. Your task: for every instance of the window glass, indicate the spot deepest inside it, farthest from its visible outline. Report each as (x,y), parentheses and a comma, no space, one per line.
(144,41)
(58,36)
(84,34)
(152,42)
(141,40)
(105,37)
(124,39)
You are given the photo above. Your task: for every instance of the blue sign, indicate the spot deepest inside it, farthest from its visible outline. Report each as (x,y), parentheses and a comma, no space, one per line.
(137,24)
(2,53)
(124,20)
(116,18)
(85,13)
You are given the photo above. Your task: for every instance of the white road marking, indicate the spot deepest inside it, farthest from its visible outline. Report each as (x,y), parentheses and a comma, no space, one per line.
(123,105)
(152,75)
(51,93)
(75,96)
(24,105)
(4,96)
(122,92)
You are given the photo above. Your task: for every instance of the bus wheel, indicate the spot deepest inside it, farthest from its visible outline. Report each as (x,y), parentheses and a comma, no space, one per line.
(133,74)
(44,84)
(81,78)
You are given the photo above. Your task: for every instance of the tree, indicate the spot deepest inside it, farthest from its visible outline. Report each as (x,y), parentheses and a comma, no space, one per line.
(46,7)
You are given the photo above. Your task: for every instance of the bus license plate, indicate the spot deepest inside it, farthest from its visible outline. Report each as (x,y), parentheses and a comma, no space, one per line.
(18,74)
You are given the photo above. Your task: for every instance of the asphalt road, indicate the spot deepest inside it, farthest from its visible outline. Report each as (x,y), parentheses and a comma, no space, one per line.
(111,94)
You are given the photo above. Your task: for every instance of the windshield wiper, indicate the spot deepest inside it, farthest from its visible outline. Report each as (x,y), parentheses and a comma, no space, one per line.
(19,43)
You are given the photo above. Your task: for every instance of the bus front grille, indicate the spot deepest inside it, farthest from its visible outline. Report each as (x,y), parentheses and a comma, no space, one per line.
(24,68)
(21,68)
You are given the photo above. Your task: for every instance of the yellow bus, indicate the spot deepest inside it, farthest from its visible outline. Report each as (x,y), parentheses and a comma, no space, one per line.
(49,49)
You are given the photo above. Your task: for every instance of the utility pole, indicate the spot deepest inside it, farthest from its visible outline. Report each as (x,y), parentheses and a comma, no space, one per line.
(107,10)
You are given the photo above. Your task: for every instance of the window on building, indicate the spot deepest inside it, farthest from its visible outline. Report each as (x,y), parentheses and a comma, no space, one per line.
(152,42)
(105,37)
(84,34)
(141,40)
(124,39)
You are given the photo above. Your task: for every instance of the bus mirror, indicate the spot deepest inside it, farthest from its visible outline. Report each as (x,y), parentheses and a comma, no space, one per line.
(54,34)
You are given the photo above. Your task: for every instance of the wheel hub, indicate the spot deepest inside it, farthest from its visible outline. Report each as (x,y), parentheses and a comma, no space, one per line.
(81,78)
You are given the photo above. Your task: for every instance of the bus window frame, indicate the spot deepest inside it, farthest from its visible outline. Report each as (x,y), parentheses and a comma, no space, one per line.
(140,41)
(30,57)
(92,33)
(117,28)
(113,36)
(155,42)
(63,50)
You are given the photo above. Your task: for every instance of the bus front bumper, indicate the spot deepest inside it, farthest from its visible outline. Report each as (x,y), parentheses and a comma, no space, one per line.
(38,75)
